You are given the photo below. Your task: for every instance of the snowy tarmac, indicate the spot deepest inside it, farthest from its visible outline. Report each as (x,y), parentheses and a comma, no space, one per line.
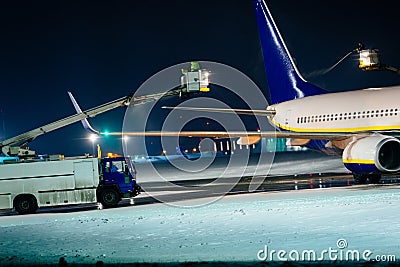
(354,222)
(235,228)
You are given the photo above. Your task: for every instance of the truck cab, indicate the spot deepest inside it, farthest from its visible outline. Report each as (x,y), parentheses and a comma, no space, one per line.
(117,181)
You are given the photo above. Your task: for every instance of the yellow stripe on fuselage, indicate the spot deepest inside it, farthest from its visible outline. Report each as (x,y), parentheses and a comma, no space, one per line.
(336,130)
(359,161)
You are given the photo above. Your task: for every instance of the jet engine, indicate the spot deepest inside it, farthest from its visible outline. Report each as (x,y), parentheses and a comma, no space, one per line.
(375,153)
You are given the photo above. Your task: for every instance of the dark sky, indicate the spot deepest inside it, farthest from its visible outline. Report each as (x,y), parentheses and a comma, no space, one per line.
(102,50)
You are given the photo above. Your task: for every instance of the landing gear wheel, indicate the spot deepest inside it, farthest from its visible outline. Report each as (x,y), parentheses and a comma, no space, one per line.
(374,178)
(25,204)
(109,197)
(360,178)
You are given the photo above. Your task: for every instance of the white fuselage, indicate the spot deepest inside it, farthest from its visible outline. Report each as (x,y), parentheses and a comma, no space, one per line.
(373,109)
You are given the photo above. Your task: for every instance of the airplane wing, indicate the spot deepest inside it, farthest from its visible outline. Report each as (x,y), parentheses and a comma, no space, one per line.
(252,137)
(233,134)
(245,138)
(85,122)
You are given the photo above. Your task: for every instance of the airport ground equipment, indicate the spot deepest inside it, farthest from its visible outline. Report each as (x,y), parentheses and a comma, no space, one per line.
(193,81)
(57,181)
(369,60)
(14,146)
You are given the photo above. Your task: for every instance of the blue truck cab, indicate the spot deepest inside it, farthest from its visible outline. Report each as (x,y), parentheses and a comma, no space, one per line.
(117,181)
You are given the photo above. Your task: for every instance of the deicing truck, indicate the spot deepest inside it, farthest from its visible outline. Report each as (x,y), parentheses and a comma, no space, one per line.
(29,185)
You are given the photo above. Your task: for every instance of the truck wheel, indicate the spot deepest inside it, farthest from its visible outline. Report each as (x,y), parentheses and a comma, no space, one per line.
(25,204)
(109,197)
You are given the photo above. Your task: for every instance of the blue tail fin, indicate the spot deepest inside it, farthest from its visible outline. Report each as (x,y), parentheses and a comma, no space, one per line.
(284,80)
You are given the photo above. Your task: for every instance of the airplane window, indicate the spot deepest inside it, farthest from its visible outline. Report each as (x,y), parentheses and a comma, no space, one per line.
(298,120)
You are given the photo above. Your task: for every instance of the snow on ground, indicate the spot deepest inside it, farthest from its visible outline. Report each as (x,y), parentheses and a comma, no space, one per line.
(234,228)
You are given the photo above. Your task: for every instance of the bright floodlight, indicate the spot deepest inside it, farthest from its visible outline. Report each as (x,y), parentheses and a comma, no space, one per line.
(93,138)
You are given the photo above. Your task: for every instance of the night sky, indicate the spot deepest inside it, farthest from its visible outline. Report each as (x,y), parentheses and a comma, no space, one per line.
(103,50)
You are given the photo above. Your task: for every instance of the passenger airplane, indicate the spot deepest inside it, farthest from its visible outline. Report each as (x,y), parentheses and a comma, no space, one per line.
(362,125)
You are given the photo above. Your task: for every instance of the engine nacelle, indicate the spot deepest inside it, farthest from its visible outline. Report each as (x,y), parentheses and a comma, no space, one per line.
(373,154)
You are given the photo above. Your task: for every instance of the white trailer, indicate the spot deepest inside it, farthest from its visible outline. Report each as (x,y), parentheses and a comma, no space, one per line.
(26,186)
